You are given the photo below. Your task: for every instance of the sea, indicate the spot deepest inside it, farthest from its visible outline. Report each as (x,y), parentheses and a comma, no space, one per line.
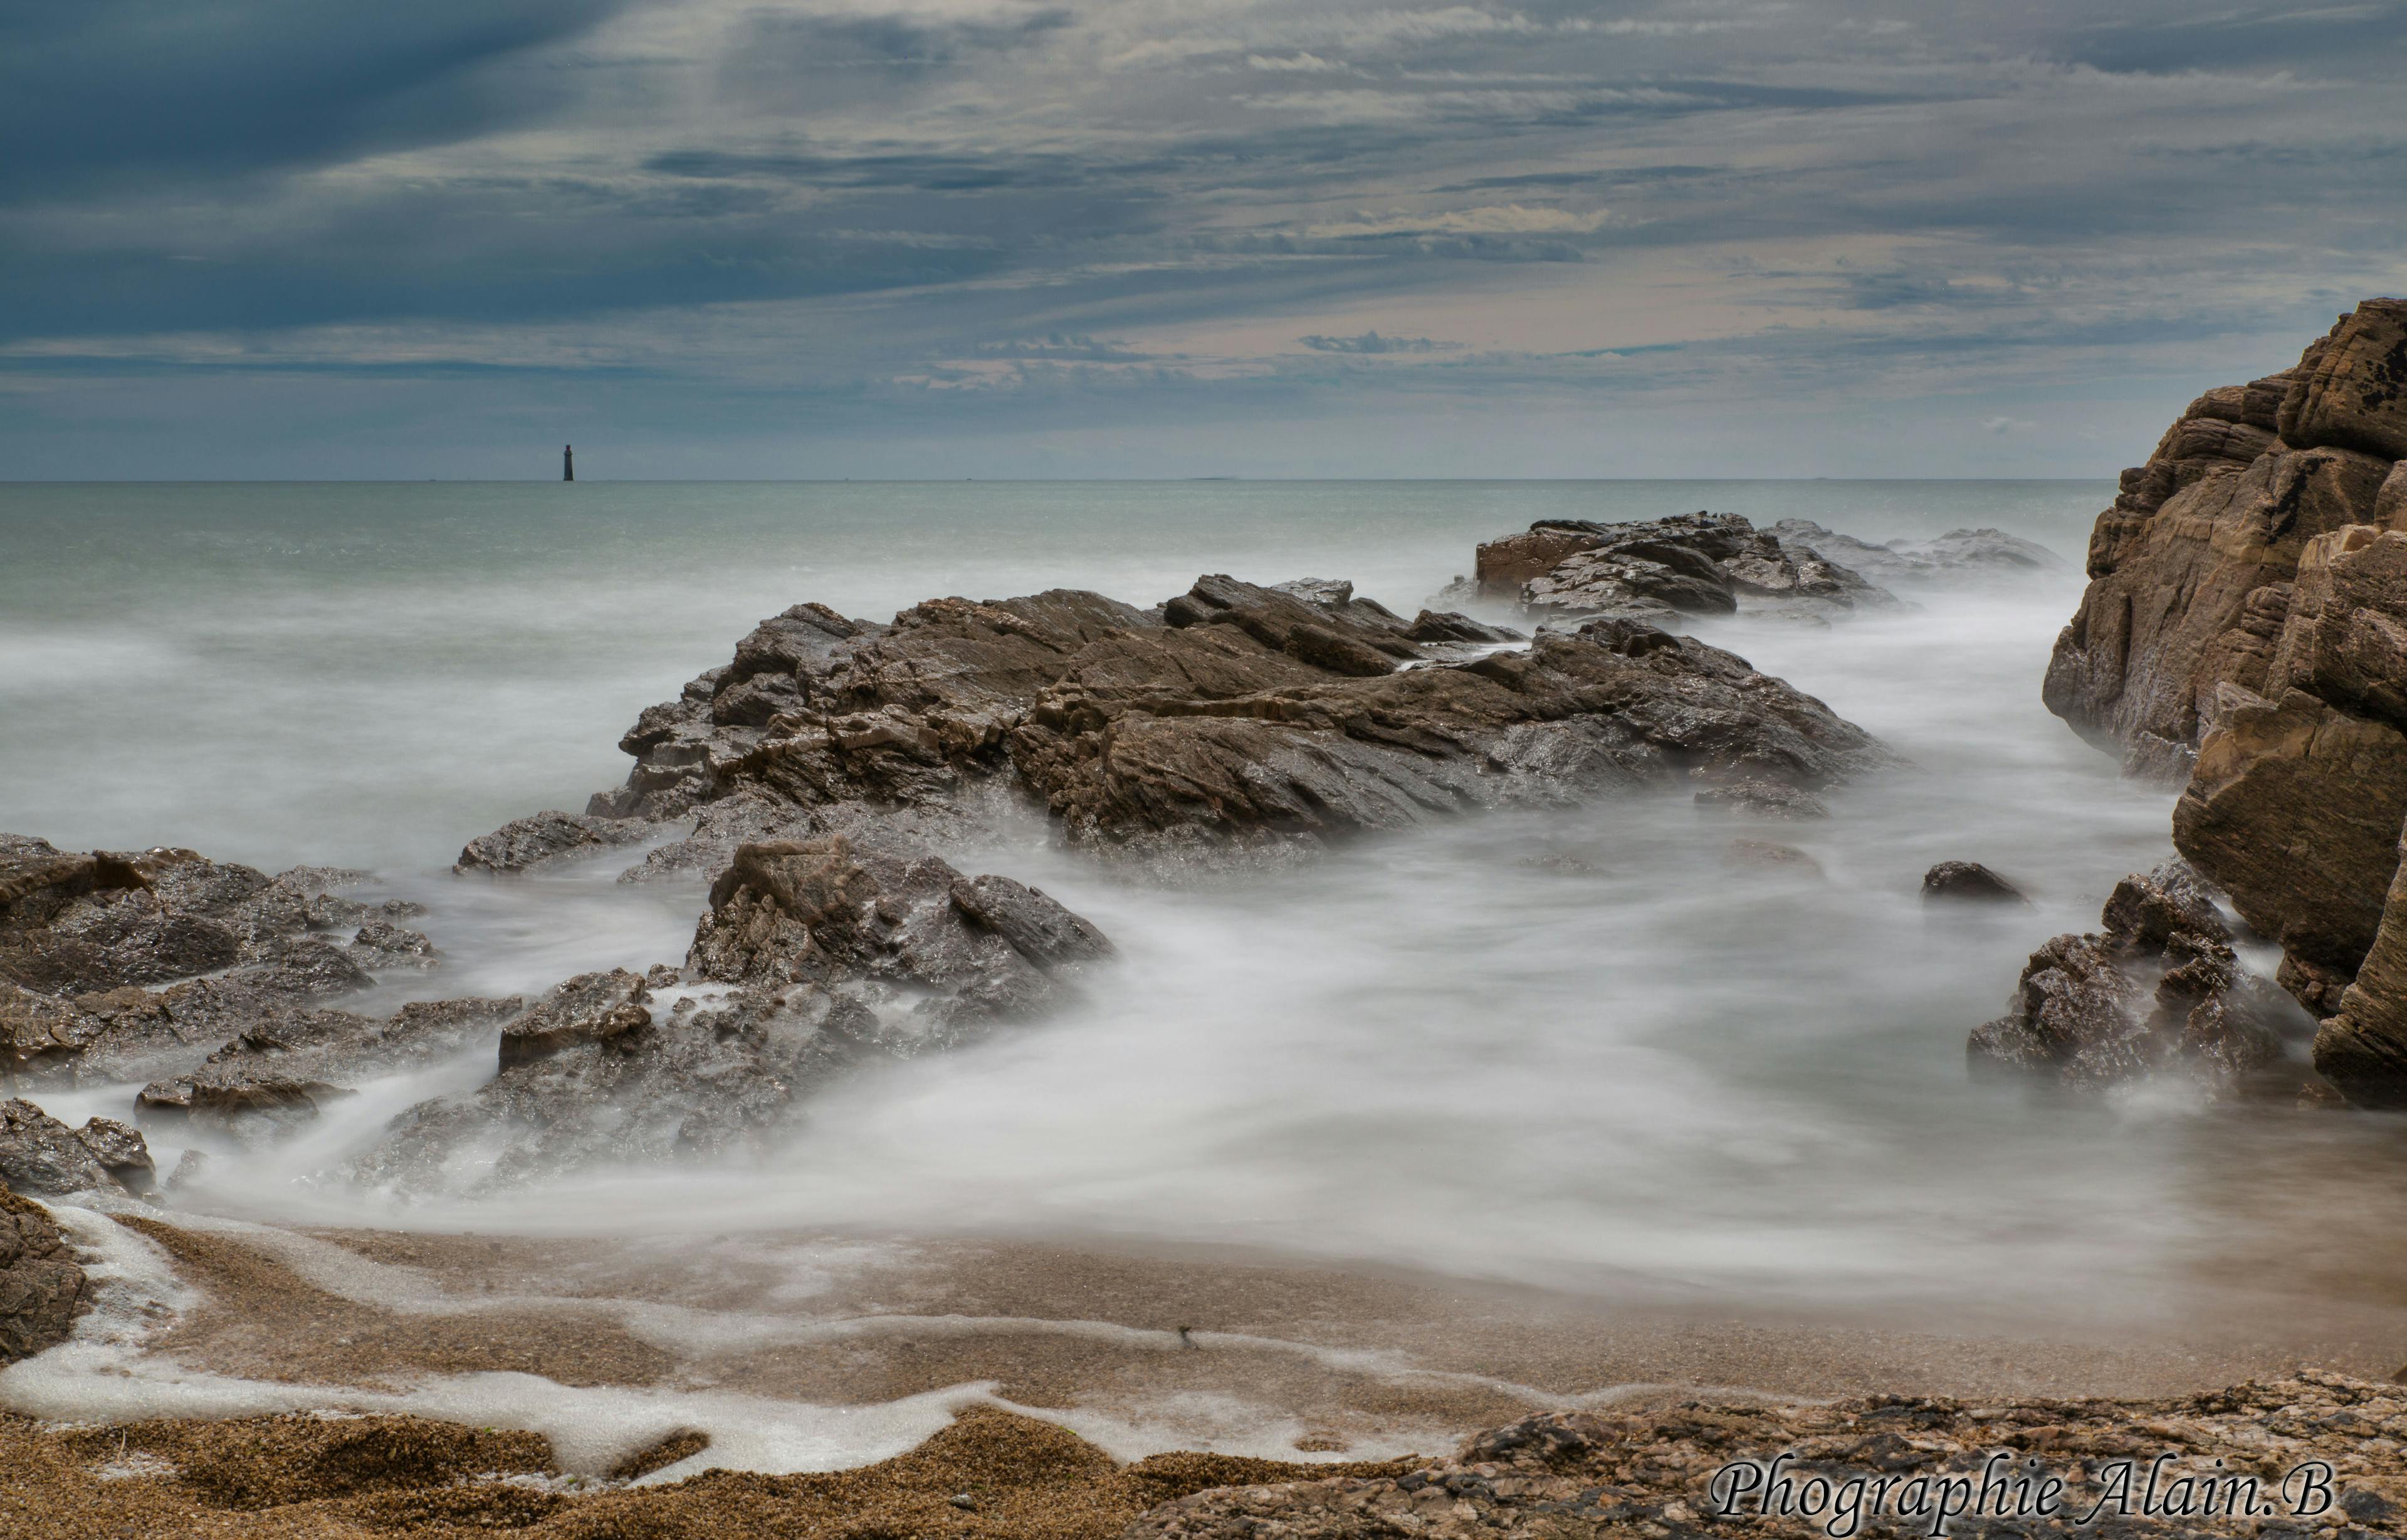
(1575,1051)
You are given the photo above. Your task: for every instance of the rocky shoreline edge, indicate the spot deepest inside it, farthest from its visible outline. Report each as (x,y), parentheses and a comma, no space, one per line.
(2318,1454)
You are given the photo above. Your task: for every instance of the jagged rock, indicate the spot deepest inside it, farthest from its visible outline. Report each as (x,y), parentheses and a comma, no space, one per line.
(2351,389)
(1764,799)
(121,1151)
(1698,563)
(2295,809)
(833,911)
(1233,718)
(1955,554)
(87,942)
(2158,989)
(545,836)
(1158,744)
(1318,590)
(42,1287)
(838,950)
(40,1154)
(2182,563)
(593,1074)
(2246,627)
(279,1075)
(1967,881)
(1451,625)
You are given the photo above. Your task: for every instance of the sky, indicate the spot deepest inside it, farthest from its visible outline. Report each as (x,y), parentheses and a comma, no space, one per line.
(294,238)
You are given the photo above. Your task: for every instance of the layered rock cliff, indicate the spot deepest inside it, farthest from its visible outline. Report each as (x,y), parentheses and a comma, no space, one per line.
(2245,626)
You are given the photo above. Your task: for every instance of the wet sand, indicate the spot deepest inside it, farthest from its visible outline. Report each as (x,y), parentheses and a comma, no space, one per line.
(1049,1383)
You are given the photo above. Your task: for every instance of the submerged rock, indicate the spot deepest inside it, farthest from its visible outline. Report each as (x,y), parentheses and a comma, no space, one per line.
(834,911)
(1958,553)
(279,1076)
(42,1287)
(1952,882)
(2158,989)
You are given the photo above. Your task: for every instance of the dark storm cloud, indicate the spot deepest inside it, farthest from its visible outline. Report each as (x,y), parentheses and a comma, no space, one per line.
(100,90)
(987,211)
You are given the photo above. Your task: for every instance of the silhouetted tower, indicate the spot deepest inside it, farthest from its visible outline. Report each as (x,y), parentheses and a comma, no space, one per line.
(568,461)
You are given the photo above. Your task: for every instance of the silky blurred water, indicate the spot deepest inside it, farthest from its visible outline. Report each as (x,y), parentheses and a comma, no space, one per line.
(1579,1048)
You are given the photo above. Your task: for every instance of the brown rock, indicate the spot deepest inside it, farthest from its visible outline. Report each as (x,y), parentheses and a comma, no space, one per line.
(2295,811)
(2352,390)
(1233,718)
(42,1289)
(2158,989)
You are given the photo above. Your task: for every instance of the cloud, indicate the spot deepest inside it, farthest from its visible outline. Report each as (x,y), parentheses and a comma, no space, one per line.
(908,215)
(1372,342)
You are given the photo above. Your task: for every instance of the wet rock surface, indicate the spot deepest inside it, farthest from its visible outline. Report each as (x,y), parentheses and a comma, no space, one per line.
(40,1154)
(2245,632)
(281,1075)
(1701,563)
(1232,719)
(42,1287)
(1968,882)
(1604,1473)
(112,962)
(2158,989)
(601,1071)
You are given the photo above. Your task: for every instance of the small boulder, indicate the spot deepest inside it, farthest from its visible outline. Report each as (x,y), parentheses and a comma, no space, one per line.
(1969,882)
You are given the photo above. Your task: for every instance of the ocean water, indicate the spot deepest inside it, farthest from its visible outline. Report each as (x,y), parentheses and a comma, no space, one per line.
(1580,1049)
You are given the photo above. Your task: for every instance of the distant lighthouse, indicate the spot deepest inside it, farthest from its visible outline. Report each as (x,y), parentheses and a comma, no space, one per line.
(568,461)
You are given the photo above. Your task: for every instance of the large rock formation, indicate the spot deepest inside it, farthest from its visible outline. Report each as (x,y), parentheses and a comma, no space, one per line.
(1233,717)
(2246,626)
(2193,568)
(42,1287)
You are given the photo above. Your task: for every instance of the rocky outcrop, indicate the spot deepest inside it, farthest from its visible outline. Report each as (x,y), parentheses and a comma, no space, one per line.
(1234,718)
(1877,1467)
(109,963)
(1693,563)
(283,1073)
(2157,989)
(900,925)
(817,955)
(40,1154)
(2193,569)
(42,1287)
(2247,625)
(603,1071)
